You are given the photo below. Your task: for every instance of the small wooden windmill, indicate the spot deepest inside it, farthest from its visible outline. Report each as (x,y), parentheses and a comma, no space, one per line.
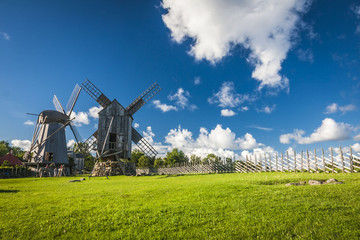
(49,142)
(115,133)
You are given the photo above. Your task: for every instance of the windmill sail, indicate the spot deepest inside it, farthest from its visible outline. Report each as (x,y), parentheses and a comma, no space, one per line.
(143,98)
(57,105)
(95,93)
(72,100)
(91,142)
(76,133)
(144,145)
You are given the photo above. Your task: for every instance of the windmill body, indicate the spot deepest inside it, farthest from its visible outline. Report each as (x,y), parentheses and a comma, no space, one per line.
(115,134)
(49,142)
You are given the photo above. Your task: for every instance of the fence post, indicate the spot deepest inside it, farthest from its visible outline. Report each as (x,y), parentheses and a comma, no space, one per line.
(315,157)
(342,159)
(351,161)
(308,161)
(256,163)
(282,162)
(295,160)
(332,160)
(270,163)
(323,159)
(287,159)
(277,168)
(302,160)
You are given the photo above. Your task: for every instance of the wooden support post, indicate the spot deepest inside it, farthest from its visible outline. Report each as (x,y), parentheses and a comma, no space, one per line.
(282,162)
(323,159)
(342,159)
(308,160)
(295,160)
(315,158)
(287,160)
(277,166)
(302,161)
(351,161)
(270,163)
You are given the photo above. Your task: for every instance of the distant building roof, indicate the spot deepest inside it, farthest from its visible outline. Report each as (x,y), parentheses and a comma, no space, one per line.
(12,160)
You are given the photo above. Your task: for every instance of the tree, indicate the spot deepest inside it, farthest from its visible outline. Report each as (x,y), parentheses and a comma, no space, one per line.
(136,154)
(211,158)
(175,156)
(3,149)
(195,159)
(144,161)
(158,162)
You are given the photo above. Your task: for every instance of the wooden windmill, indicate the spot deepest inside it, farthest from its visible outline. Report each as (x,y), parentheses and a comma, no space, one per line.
(49,142)
(115,133)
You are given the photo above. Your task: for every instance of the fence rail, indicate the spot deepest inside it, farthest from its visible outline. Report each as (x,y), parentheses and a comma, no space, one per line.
(312,162)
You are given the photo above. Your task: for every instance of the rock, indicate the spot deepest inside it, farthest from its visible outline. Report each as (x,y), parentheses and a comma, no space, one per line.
(302,183)
(74,181)
(331,180)
(336,183)
(82,179)
(315,182)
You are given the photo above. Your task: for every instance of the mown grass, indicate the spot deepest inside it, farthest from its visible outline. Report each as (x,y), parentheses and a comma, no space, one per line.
(214,206)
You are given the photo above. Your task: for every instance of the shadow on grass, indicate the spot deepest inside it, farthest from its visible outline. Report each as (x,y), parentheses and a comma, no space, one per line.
(9,191)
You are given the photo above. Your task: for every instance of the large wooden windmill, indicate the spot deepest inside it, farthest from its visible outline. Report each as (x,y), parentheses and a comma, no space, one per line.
(115,133)
(49,142)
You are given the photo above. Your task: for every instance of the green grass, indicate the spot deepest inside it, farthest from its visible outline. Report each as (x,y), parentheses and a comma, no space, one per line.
(214,206)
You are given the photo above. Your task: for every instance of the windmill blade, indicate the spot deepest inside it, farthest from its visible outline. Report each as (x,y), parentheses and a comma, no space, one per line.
(144,145)
(95,93)
(57,105)
(91,142)
(72,100)
(32,114)
(143,98)
(76,133)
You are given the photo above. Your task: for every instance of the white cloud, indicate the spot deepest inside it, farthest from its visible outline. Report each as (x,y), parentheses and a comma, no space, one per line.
(29,122)
(181,98)
(356,10)
(357,138)
(70,143)
(265,27)
(356,147)
(305,55)
(334,108)
(228,97)
(262,128)
(247,142)
(164,107)
(136,125)
(267,109)
(197,80)
(244,108)
(23,144)
(227,113)
(94,111)
(328,131)
(5,35)
(80,118)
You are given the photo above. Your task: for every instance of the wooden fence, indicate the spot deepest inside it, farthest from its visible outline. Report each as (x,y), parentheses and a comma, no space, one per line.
(312,162)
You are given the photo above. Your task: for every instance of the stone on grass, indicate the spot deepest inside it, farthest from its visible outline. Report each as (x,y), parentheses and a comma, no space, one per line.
(292,184)
(74,181)
(331,180)
(82,179)
(315,182)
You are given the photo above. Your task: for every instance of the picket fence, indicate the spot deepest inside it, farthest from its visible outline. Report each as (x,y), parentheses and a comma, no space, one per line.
(311,162)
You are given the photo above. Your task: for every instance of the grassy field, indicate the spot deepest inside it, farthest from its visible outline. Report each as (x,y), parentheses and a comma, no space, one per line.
(214,206)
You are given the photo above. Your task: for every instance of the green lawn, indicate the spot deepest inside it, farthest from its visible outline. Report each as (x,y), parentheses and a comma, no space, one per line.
(214,206)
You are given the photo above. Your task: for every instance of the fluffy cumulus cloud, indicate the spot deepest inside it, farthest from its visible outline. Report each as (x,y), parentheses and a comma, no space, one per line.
(180,99)
(136,125)
(80,118)
(94,111)
(334,108)
(357,138)
(330,130)
(267,109)
(227,113)
(220,141)
(29,122)
(265,27)
(164,107)
(23,144)
(227,97)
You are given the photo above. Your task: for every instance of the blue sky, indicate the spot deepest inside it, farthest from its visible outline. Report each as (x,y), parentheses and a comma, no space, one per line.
(236,76)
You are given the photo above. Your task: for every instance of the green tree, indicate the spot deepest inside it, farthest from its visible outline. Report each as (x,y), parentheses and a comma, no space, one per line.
(3,150)
(144,161)
(175,156)
(211,158)
(136,154)
(195,159)
(158,162)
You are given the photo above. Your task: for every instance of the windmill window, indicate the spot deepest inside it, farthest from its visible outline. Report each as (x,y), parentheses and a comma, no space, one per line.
(49,156)
(112,140)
